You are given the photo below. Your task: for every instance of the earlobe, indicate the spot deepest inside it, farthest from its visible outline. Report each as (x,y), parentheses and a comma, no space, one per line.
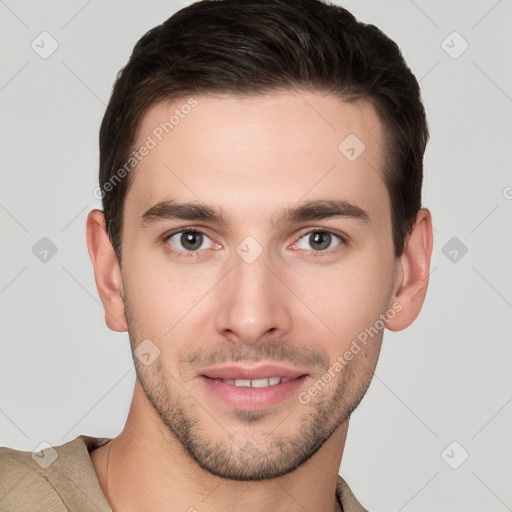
(413,274)
(107,273)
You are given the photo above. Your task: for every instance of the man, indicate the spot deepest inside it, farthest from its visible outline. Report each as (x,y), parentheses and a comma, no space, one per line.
(260,170)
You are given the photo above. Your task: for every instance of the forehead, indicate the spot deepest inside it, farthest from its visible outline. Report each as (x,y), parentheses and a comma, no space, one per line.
(266,151)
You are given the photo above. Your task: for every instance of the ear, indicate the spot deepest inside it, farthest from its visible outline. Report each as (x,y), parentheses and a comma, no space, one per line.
(106,271)
(413,273)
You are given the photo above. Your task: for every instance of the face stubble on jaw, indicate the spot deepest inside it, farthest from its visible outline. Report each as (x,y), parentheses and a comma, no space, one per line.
(235,456)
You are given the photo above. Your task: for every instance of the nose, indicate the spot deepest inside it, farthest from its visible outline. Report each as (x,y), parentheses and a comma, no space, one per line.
(252,302)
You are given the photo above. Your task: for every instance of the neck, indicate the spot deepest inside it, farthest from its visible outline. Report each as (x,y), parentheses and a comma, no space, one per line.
(147,468)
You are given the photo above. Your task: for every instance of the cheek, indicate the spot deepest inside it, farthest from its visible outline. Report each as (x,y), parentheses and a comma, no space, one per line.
(161,293)
(348,299)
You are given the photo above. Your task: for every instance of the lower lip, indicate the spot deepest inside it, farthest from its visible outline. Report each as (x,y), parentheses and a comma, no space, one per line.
(253,399)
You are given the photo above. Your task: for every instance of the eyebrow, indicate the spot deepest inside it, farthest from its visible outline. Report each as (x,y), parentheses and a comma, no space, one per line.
(322,209)
(171,210)
(308,211)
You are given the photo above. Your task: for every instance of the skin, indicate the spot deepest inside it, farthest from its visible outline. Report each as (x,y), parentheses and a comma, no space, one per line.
(297,303)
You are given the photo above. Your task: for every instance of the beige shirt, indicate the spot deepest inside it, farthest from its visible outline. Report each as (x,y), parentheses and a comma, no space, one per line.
(62,479)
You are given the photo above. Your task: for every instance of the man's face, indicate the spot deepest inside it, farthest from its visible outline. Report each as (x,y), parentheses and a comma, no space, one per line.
(261,288)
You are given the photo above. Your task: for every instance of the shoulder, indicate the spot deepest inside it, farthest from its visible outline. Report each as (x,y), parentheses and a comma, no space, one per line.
(57,478)
(24,484)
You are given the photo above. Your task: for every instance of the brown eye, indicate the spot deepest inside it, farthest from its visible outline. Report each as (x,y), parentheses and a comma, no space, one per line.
(189,241)
(319,241)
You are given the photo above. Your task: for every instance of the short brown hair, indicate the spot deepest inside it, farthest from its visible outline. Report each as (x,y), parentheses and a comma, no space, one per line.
(251,47)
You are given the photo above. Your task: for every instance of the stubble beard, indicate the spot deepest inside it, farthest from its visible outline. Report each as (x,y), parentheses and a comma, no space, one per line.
(250,452)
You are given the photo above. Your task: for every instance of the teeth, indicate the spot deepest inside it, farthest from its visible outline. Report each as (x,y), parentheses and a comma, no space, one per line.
(256,383)
(263,383)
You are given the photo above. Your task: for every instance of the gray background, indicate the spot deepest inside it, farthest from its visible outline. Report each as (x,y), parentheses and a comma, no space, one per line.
(445,379)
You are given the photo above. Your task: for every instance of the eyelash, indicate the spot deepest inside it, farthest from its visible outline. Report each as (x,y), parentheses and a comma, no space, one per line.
(192,254)
(183,254)
(320,254)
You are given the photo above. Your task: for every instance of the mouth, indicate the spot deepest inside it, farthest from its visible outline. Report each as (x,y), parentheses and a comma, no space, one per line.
(255,383)
(253,388)
(253,373)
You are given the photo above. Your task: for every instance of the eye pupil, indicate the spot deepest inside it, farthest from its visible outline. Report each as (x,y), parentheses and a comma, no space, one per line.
(192,240)
(322,239)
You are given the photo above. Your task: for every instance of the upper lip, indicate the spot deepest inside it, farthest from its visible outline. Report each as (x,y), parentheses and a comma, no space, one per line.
(250,373)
